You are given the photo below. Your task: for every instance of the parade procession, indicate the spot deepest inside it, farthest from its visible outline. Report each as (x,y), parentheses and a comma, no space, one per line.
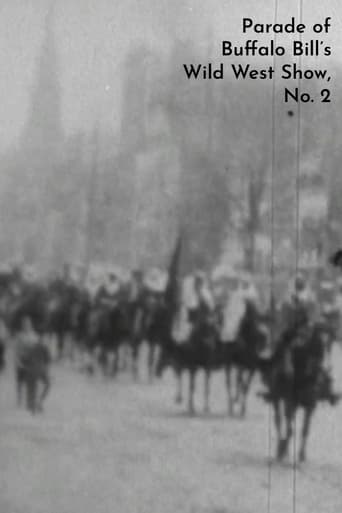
(171,256)
(203,321)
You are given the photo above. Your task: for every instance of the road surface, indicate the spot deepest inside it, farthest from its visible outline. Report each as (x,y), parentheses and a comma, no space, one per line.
(122,447)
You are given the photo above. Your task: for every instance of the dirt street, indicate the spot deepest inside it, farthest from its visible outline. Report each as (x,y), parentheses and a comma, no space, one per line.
(123,447)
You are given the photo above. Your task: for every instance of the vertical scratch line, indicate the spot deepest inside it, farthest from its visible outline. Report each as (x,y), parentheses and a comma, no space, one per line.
(272,271)
(298,164)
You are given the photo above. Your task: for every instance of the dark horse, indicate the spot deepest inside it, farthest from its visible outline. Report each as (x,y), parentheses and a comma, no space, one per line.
(242,356)
(107,329)
(205,351)
(296,378)
(61,302)
(201,351)
(148,322)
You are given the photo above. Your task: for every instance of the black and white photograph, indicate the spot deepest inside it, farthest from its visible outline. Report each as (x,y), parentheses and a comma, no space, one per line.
(171,256)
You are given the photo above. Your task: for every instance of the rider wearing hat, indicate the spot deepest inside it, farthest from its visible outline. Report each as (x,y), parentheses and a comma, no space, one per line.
(298,307)
(201,314)
(155,313)
(328,307)
(299,314)
(107,295)
(296,315)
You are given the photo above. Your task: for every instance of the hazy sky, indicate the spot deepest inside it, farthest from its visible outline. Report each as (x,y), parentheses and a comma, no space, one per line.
(92,36)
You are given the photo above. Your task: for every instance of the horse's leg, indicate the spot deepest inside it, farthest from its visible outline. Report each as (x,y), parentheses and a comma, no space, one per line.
(277,421)
(104,361)
(238,384)
(150,363)
(135,357)
(116,356)
(79,353)
(206,390)
(71,346)
(245,385)
(19,385)
(192,376)
(305,432)
(229,390)
(45,379)
(112,362)
(110,359)
(179,381)
(289,418)
(31,389)
(127,355)
(121,357)
(90,360)
(60,345)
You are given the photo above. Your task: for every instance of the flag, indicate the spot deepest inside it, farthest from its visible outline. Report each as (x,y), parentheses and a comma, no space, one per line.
(173,284)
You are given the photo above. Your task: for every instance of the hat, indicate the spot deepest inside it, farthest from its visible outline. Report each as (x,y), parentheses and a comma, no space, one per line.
(223,272)
(112,287)
(327,285)
(156,280)
(29,274)
(114,272)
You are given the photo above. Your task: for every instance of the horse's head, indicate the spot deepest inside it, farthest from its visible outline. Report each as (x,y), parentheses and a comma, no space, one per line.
(254,330)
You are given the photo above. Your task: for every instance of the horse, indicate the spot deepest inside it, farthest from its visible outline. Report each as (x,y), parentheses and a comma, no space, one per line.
(201,351)
(296,378)
(30,302)
(80,313)
(204,350)
(60,303)
(147,319)
(107,327)
(242,355)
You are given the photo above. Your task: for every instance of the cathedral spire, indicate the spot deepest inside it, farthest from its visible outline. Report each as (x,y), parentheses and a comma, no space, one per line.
(40,149)
(44,127)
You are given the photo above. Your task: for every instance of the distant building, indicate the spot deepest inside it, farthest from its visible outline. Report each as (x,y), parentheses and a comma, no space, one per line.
(33,164)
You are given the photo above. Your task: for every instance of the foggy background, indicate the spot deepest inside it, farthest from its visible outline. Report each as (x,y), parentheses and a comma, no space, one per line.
(107,150)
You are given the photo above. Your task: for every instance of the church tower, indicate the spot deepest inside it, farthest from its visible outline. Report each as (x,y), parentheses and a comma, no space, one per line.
(43,129)
(36,181)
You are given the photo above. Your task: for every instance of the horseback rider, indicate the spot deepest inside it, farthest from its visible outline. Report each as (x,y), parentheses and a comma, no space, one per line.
(297,310)
(203,300)
(233,310)
(328,307)
(108,294)
(301,326)
(154,304)
(202,314)
(294,324)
